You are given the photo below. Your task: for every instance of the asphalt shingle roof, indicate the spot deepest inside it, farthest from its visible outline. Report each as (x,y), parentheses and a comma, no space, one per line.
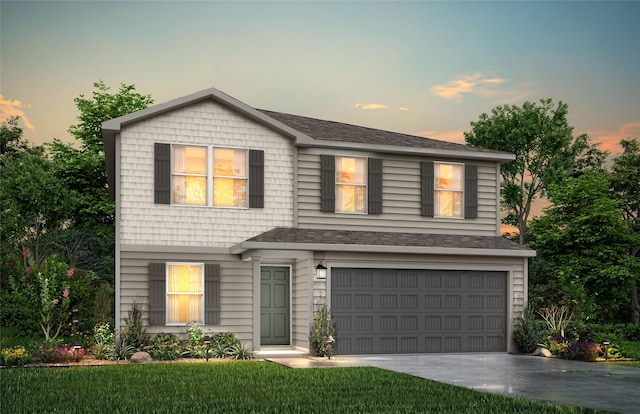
(336,131)
(375,238)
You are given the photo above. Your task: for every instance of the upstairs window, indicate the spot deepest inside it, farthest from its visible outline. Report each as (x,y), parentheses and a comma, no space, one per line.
(229,178)
(448,190)
(351,185)
(189,175)
(206,176)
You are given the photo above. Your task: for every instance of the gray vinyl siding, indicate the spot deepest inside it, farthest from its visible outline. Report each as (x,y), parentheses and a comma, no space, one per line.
(300,304)
(401,198)
(236,290)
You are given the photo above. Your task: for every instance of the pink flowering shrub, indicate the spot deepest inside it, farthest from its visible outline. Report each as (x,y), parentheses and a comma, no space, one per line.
(51,295)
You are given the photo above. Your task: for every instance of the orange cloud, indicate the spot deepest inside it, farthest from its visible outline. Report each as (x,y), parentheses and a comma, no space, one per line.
(402,108)
(610,140)
(10,108)
(371,106)
(451,136)
(476,84)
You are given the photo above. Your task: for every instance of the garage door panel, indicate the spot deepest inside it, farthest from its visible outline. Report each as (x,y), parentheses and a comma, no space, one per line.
(389,311)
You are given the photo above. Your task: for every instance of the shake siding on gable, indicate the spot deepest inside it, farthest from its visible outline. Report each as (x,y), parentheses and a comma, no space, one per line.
(142,222)
(401,199)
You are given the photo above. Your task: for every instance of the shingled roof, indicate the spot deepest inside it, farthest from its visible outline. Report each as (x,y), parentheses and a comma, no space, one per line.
(341,239)
(337,131)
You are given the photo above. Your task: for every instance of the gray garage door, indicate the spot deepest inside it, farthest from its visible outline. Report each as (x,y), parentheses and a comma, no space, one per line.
(406,311)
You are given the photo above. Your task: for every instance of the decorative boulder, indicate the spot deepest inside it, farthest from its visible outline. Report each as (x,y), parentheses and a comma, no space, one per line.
(140,358)
(543,352)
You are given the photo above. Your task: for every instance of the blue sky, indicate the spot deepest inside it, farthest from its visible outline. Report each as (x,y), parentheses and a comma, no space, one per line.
(425,68)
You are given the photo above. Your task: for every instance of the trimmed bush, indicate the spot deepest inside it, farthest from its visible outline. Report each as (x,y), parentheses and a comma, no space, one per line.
(15,356)
(529,332)
(583,351)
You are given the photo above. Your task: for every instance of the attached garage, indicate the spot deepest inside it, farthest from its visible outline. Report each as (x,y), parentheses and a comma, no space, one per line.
(415,311)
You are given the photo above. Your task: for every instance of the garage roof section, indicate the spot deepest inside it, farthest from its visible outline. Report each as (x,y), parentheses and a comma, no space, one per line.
(282,238)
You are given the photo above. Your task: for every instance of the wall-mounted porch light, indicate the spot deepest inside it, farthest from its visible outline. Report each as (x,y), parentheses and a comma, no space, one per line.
(321,271)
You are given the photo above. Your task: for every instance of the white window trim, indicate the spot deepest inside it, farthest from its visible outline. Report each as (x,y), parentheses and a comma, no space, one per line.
(167,293)
(365,185)
(209,177)
(436,190)
(212,150)
(205,175)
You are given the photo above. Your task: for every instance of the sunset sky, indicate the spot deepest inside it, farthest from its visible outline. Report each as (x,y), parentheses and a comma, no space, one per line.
(425,68)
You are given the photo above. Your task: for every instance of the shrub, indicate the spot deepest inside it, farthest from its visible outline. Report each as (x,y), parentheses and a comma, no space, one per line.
(226,339)
(51,351)
(166,347)
(559,348)
(105,342)
(323,332)
(240,351)
(196,337)
(134,334)
(583,351)
(121,349)
(103,307)
(15,356)
(529,332)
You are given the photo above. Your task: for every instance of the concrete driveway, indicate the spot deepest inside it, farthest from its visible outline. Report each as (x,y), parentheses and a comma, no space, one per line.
(584,384)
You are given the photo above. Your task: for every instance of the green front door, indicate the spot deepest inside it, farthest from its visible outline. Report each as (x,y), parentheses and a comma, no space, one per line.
(274,304)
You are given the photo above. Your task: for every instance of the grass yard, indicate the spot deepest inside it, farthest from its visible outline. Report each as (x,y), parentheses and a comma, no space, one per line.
(243,387)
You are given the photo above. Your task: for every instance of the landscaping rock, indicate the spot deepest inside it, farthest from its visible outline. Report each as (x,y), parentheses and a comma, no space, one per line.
(543,352)
(141,358)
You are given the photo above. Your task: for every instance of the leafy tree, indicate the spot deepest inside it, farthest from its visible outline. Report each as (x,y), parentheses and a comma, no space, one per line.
(11,136)
(546,153)
(626,185)
(84,169)
(33,202)
(582,244)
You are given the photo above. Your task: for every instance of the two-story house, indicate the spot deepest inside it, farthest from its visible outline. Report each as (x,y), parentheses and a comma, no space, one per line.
(243,220)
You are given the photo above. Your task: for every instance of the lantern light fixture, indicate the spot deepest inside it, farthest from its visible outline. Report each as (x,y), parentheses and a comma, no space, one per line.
(321,271)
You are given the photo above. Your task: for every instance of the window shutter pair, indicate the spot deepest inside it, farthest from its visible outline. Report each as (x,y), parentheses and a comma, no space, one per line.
(158,294)
(162,176)
(328,184)
(427,187)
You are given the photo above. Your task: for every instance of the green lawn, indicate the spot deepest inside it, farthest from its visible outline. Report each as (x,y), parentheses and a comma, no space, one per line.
(243,387)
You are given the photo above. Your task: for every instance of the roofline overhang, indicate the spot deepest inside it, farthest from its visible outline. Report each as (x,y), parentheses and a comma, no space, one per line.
(113,126)
(499,156)
(243,247)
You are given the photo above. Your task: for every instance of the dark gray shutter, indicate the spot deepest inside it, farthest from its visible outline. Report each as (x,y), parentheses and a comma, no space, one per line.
(211,294)
(162,173)
(256,179)
(157,294)
(427,195)
(470,191)
(328,183)
(375,186)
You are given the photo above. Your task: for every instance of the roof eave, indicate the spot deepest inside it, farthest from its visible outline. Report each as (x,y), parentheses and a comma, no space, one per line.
(113,126)
(502,157)
(245,246)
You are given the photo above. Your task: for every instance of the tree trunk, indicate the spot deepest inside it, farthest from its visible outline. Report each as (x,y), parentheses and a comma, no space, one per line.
(635,309)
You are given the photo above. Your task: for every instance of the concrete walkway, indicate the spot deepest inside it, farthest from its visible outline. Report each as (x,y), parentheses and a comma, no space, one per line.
(590,385)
